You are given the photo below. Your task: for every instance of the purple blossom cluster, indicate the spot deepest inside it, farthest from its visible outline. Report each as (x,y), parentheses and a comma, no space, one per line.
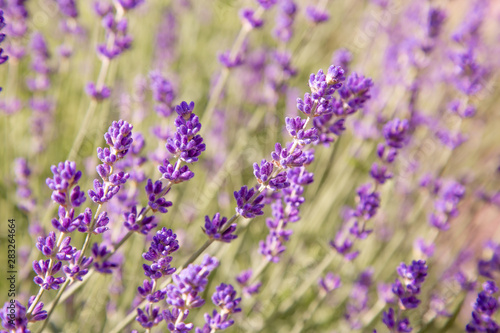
(406,289)
(485,307)
(447,196)
(3,57)
(225,299)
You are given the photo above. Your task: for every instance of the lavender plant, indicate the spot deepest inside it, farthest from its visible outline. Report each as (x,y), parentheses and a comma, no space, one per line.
(288,199)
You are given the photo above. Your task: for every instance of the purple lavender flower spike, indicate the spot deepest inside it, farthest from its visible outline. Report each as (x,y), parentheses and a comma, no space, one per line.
(164,243)
(3,58)
(44,280)
(248,16)
(225,298)
(436,18)
(356,91)
(295,127)
(484,309)
(244,207)
(395,131)
(316,15)
(284,20)
(119,138)
(216,229)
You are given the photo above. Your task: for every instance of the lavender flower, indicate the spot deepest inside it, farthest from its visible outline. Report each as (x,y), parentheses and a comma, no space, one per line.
(406,292)
(243,280)
(247,205)
(484,308)
(164,243)
(216,229)
(317,15)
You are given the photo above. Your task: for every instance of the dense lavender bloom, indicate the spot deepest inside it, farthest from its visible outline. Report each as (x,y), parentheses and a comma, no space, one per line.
(356,91)
(186,144)
(248,16)
(216,229)
(63,184)
(317,15)
(243,280)
(485,307)
(119,138)
(246,208)
(295,127)
(224,297)
(150,316)
(46,245)
(164,243)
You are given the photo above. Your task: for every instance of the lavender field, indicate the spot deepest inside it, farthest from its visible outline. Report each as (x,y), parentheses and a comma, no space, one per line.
(250,166)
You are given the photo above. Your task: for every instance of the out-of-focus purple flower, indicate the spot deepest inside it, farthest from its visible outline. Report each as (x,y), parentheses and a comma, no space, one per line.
(246,208)
(342,58)
(317,15)
(3,58)
(395,132)
(426,249)
(248,16)
(243,280)
(98,95)
(163,93)
(329,283)
(267,4)
(284,20)
(230,61)
(130,4)
(216,229)
(68,8)
(490,267)
(13,316)
(102,7)
(435,20)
